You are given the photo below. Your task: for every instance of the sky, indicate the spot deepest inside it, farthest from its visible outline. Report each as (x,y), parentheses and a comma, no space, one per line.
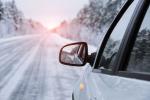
(50,12)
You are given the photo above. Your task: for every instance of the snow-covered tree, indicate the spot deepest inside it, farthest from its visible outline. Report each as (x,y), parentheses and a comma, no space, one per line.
(1,10)
(111,10)
(91,15)
(12,13)
(12,21)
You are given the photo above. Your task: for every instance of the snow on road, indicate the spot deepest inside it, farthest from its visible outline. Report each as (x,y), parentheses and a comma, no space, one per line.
(30,70)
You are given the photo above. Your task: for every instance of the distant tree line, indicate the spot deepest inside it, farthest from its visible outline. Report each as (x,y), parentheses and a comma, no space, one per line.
(13,22)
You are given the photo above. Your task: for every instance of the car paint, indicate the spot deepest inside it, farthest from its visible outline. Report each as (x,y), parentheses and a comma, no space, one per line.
(99,86)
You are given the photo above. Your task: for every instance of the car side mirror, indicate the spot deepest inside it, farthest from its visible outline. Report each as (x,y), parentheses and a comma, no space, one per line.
(75,54)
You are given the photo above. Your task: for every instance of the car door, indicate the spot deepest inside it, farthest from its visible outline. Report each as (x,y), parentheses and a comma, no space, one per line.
(114,78)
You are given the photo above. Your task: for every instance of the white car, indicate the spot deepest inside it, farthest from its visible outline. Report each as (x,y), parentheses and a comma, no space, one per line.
(120,69)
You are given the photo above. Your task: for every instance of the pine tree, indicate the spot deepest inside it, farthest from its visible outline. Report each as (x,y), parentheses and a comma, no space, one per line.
(111,10)
(90,15)
(1,10)
(12,13)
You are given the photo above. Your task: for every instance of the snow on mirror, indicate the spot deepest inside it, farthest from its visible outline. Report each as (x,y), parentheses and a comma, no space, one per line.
(74,54)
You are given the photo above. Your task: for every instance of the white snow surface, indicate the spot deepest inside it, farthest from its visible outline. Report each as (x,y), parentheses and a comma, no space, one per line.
(30,70)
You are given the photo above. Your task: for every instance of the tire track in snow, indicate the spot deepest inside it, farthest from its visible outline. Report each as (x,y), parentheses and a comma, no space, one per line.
(9,64)
(32,85)
(15,77)
(8,51)
(13,55)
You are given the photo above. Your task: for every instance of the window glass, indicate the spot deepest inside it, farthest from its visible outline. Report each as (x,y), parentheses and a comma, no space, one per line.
(140,55)
(116,37)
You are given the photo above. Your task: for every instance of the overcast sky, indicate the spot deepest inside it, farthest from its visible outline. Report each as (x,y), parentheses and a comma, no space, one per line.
(50,12)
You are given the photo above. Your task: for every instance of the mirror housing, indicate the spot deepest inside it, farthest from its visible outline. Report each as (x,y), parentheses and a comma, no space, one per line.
(74,54)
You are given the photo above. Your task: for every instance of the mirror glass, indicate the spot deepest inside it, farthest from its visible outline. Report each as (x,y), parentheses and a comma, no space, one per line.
(74,54)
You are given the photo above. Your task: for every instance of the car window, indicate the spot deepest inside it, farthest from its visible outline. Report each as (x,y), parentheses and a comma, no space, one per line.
(113,44)
(140,56)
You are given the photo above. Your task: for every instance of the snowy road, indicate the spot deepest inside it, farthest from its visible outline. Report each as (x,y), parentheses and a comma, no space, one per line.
(29,69)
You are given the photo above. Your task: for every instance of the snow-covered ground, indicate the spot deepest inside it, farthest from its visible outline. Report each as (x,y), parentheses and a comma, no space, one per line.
(30,70)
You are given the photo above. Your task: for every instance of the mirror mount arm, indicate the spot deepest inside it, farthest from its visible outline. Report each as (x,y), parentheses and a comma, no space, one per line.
(91,58)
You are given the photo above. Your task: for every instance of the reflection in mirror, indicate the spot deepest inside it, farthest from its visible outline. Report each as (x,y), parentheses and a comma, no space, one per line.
(74,54)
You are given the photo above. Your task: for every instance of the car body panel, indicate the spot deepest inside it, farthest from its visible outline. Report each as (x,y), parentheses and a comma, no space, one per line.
(99,86)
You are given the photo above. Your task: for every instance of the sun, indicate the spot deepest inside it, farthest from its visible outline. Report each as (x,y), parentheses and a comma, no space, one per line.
(52,25)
